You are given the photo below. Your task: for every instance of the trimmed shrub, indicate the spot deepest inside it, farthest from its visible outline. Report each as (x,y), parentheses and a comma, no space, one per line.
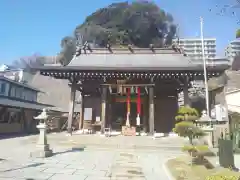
(185,123)
(188,129)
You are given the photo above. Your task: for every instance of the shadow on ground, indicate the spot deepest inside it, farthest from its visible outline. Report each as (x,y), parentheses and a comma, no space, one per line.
(74,149)
(14,135)
(24,167)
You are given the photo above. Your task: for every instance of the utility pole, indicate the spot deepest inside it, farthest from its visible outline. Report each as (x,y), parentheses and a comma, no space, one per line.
(205,69)
(177,34)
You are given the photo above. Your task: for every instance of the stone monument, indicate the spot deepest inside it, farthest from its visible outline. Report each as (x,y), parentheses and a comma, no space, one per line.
(43,149)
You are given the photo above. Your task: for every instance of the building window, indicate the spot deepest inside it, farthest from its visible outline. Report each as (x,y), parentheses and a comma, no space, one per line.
(17,92)
(35,97)
(29,95)
(12,92)
(3,88)
(24,95)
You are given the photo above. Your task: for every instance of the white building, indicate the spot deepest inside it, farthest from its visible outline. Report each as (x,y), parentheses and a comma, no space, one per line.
(233,100)
(193,47)
(18,75)
(232,49)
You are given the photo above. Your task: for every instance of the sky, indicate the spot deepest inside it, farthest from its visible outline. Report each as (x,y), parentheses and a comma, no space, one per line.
(36,27)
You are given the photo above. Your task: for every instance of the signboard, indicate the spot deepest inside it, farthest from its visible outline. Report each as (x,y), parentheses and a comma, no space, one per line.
(220,112)
(98,119)
(87,114)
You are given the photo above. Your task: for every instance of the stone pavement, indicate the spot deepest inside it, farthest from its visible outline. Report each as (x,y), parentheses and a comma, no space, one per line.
(121,158)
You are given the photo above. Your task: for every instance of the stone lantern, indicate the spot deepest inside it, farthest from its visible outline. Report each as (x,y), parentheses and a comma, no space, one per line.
(43,149)
(205,123)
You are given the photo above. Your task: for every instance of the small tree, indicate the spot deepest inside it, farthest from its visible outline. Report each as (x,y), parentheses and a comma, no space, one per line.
(186,113)
(185,126)
(238,33)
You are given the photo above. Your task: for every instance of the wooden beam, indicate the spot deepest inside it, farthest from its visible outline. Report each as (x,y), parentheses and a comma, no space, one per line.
(129,85)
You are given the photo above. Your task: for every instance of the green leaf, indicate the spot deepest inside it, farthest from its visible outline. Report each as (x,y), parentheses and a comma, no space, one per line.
(238,33)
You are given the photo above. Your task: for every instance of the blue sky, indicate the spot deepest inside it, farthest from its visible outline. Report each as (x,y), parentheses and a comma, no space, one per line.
(31,26)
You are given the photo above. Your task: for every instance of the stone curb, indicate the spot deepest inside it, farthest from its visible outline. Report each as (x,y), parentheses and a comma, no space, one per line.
(166,170)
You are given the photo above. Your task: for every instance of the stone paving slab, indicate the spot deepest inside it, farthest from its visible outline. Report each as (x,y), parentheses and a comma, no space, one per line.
(67,177)
(95,163)
(60,171)
(91,173)
(26,175)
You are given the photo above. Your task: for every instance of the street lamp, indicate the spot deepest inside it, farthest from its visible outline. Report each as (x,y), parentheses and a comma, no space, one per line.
(205,69)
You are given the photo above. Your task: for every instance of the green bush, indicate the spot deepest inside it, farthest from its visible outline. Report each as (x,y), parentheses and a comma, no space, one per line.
(186,113)
(202,150)
(188,129)
(222,177)
(185,123)
(238,33)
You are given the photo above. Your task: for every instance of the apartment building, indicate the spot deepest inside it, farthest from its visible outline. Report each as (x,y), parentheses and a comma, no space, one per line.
(193,47)
(18,102)
(232,49)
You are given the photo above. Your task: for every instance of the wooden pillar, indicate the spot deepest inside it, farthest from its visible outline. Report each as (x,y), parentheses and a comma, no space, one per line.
(145,115)
(71,108)
(151,110)
(185,93)
(103,108)
(109,110)
(81,116)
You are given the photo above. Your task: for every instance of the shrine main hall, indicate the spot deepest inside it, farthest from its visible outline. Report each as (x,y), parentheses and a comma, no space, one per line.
(129,87)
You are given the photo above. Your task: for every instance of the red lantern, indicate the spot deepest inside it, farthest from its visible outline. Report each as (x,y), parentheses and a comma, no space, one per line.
(128,100)
(139,101)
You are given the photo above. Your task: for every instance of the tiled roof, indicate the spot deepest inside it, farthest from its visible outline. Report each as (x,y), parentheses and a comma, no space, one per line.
(122,58)
(137,59)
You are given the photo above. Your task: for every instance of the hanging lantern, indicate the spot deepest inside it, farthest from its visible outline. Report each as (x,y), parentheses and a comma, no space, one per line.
(132,90)
(128,106)
(128,100)
(138,106)
(138,101)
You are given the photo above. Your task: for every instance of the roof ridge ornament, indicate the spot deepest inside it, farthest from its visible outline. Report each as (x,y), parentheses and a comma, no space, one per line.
(177,48)
(78,51)
(151,46)
(109,47)
(86,47)
(130,48)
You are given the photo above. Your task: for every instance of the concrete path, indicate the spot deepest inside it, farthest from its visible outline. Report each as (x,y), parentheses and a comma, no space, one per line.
(97,162)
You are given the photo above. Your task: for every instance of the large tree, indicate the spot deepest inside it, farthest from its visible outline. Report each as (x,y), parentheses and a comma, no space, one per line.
(139,23)
(68,45)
